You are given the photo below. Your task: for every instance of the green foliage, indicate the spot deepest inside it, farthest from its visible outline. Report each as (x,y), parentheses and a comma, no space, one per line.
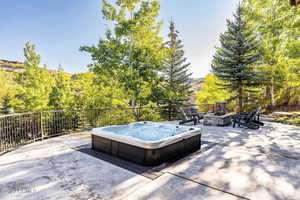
(211,92)
(177,80)
(132,52)
(98,91)
(62,95)
(34,84)
(277,24)
(233,61)
(7,89)
(128,61)
(7,105)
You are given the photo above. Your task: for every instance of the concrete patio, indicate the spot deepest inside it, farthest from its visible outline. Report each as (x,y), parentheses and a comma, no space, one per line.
(232,164)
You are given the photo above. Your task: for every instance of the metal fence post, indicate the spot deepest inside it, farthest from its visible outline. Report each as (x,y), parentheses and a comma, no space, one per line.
(41,124)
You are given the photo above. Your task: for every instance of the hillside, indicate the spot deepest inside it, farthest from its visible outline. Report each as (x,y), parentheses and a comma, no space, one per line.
(11,66)
(16,66)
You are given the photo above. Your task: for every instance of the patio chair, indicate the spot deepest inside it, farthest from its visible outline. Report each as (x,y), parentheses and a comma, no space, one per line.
(248,120)
(190,115)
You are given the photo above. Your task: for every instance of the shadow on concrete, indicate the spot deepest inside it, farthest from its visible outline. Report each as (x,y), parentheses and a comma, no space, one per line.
(237,166)
(151,172)
(54,171)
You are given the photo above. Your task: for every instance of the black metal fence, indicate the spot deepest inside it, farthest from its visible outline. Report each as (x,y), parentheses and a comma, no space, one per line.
(20,129)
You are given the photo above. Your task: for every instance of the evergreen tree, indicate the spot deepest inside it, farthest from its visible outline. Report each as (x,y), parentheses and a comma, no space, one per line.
(177,77)
(233,61)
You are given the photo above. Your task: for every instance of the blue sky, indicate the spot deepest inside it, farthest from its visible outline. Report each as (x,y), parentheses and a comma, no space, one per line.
(59,27)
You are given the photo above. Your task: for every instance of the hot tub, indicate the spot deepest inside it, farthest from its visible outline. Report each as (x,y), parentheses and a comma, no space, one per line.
(146,143)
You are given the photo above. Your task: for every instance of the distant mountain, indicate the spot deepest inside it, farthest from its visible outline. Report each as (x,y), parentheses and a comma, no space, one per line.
(11,66)
(16,66)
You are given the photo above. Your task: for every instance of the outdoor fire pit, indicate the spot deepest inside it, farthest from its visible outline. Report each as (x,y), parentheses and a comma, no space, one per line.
(218,117)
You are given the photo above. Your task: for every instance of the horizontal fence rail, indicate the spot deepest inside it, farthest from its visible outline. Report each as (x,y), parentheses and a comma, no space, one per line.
(20,129)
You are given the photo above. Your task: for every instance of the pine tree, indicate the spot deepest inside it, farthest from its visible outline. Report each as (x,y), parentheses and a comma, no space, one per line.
(233,61)
(177,77)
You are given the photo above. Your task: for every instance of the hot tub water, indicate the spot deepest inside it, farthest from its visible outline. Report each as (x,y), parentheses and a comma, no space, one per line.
(147,131)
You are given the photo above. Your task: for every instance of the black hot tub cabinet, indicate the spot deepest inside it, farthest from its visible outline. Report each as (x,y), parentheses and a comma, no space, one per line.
(144,152)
